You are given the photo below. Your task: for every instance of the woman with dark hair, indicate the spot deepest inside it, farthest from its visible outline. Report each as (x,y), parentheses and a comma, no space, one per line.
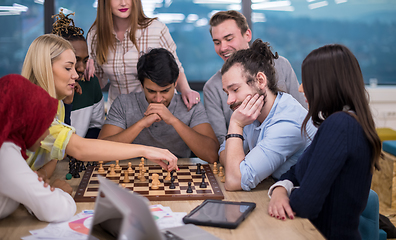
(331,181)
(87,109)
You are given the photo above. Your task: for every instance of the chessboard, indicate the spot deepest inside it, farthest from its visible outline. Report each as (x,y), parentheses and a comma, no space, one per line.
(89,185)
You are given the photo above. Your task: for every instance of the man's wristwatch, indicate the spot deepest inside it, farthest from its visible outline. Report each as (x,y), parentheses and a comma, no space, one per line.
(234,135)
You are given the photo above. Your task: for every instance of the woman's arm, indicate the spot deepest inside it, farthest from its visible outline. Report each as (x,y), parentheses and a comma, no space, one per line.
(101,150)
(22,186)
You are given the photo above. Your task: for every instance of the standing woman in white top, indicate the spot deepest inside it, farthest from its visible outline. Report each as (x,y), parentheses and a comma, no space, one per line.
(120,34)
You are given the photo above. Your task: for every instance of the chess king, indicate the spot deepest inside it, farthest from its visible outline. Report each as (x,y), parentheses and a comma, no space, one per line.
(157,116)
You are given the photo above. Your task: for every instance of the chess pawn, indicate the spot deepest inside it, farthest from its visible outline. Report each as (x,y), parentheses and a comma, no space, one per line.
(215,170)
(117,166)
(130,170)
(223,179)
(112,170)
(126,177)
(155,183)
(101,169)
(221,173)
(203,184)
(189,189)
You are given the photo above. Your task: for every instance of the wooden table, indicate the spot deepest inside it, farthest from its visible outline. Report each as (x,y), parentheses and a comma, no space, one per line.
(258,225)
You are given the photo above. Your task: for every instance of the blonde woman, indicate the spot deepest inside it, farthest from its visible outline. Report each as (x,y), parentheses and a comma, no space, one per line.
(50,64)
(120,34)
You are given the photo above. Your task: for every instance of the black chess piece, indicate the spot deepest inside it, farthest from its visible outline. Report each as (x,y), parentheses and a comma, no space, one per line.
(203,184)
(75,173)
(172,185)
(189,189)
(79,166)
(72,162)
(83,166)
(89,164)
(198,169)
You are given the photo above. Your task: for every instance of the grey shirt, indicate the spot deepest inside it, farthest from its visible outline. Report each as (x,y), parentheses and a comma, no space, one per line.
(127,109)
(215,99)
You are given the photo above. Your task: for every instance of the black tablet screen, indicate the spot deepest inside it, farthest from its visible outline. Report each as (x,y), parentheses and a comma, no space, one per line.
(219,212)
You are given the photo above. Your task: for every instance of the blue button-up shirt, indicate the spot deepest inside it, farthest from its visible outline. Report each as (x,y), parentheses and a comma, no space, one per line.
(273,146)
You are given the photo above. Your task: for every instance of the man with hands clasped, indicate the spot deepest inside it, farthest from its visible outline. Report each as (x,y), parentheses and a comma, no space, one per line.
(264,136)
(157,116)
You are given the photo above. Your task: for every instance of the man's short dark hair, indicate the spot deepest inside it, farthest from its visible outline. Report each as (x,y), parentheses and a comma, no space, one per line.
(158,65)
(222,16)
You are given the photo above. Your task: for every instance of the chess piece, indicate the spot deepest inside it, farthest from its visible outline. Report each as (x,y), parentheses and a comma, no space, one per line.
(130,170)
(168,177)
(117,166)
(75,171)
(203,184)
(141,174)
(112,170)
(101,169)
(221,173)
(223,179)
(198,168)
(83,166)
(79,166)
(89,164)
(155,181)
(126,177)
(142,168)
(172,185)
(215,170)
(189,189)
(142,161)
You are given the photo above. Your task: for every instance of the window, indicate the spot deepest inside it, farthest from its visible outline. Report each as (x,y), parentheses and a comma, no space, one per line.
(21,23)
(293,28)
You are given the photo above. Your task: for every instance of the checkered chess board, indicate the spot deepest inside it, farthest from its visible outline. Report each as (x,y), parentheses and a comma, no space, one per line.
(89,185)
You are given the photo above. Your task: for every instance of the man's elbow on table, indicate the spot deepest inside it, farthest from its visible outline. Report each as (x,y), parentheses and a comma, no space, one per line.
(232,183)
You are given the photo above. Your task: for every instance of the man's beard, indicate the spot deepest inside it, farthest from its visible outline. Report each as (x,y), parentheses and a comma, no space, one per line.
(235,105)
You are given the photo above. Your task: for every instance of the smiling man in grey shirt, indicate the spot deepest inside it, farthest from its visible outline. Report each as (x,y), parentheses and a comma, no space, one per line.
(230,32)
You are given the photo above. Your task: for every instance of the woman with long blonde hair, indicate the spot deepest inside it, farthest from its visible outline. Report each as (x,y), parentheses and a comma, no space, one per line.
(50,64)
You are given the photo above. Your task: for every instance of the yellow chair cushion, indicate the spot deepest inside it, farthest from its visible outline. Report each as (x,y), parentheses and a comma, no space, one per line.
(386,134)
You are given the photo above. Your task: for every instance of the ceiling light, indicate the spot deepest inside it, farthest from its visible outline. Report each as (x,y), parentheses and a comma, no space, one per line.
(318,5)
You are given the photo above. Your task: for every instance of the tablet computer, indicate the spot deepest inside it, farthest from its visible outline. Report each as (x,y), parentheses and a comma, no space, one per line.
(217,213)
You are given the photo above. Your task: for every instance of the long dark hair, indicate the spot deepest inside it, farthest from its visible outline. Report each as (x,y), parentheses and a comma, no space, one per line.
(257,58)
(332,80)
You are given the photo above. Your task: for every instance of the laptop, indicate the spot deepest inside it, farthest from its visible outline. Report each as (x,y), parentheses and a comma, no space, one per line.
(126,215)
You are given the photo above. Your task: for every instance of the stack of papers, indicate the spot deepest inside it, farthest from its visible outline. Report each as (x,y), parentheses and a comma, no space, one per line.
(78,227)
(165,218)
